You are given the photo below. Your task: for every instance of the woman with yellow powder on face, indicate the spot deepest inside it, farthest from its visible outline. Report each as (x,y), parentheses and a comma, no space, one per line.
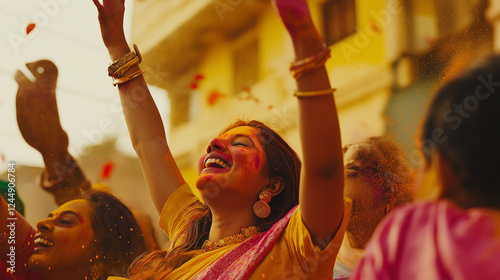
(250,179)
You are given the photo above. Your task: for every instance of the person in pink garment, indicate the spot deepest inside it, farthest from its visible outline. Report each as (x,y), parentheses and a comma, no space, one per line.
(455,232)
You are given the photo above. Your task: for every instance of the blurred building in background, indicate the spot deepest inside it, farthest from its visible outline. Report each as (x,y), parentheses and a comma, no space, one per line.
(220,60)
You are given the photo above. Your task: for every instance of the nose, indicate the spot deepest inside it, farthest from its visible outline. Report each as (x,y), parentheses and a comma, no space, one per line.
(44,225)
(216,144)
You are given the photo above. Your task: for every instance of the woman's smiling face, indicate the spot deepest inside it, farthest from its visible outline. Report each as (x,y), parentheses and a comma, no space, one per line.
(64,239)
(235,162)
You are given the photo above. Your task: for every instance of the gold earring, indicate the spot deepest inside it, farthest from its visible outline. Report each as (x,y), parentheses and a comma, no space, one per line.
(261,208)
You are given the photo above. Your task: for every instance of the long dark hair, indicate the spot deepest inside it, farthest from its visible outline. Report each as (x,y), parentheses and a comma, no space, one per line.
(462,125)
(281,161)
(118,239)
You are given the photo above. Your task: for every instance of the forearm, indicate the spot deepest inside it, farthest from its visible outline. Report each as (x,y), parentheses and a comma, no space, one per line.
(148,139)
(318,120)
(141,114)
(63,178)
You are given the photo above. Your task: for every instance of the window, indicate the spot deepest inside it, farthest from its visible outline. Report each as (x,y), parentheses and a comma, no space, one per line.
(339,17)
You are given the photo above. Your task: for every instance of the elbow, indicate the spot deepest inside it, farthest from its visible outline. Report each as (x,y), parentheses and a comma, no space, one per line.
(150,146)
(330,169)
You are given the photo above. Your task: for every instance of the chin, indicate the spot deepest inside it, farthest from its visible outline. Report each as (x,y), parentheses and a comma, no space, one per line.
(208,190)
(38,264)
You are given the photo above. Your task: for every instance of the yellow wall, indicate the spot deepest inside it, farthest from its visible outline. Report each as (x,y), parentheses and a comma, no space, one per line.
(363,80)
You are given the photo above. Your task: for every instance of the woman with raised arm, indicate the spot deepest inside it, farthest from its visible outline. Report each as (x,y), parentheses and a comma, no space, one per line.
(250,179)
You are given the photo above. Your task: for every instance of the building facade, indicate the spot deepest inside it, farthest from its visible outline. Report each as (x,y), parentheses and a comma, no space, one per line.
(222,60)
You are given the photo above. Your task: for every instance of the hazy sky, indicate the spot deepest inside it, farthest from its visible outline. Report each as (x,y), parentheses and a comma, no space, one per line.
(66,32)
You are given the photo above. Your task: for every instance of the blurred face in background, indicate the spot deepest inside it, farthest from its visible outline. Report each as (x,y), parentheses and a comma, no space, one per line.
(364,186)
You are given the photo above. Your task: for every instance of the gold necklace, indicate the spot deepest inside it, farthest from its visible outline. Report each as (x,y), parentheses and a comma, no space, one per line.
(246,233)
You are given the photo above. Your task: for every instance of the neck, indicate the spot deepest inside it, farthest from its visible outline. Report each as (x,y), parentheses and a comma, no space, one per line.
(229,222)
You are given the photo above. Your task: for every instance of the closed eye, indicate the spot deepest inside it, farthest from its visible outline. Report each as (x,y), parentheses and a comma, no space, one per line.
(65,222)
(240,144)
(353,174)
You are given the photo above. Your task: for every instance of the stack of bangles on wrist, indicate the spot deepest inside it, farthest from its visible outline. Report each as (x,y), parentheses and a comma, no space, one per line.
(309,64)
(120,66)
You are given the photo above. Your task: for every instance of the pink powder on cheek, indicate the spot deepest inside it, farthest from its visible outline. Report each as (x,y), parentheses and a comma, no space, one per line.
(257,161)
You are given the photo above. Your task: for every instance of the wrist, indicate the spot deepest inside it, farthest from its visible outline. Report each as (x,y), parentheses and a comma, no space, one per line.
(116,52)
(307,45)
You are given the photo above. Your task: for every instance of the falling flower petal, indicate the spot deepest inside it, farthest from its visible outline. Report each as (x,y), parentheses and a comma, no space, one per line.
(374,26)
(214,97)
(107,169)
(30,28)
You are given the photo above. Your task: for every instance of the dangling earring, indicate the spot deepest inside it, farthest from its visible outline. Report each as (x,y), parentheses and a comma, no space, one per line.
(261,208)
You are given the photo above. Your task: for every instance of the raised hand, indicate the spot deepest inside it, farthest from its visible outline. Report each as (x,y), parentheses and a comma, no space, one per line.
(296,17)
(36,106)
(39,123)
(111,13)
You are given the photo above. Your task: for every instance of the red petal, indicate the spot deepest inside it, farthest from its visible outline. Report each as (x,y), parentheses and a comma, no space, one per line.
(30,28)
(106,170)
(374,26)
(213,97)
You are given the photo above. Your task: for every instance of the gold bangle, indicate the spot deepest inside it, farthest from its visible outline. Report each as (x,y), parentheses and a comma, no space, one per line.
(309,64)
(124,60)
(314,93)
(120,71)
(128,78)
(299,73)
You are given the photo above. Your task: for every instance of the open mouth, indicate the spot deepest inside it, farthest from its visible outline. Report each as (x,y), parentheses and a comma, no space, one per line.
(216,162)
(43,242)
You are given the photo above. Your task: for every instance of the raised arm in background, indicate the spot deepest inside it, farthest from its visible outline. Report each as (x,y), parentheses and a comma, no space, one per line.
(39,124)
(141,114)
